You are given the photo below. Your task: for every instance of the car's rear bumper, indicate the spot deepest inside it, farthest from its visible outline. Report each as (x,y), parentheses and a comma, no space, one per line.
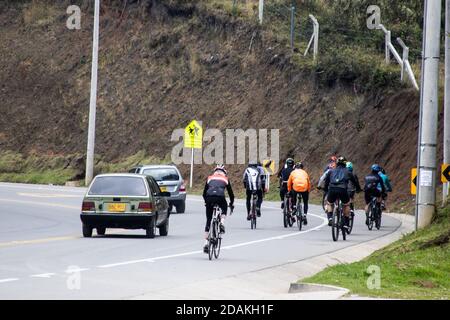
(176,199)
(119,220)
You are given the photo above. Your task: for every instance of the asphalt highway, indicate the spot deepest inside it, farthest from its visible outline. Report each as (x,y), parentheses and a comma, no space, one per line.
(44,256)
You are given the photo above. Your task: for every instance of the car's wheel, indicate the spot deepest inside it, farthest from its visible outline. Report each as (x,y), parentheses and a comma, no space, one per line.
(164,229)
(181,207)
(150,229)
(87,231)
(101,231)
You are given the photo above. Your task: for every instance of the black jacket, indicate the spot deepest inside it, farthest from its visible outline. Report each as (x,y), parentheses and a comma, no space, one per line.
(284,174)
(215,187)
(340,171)
(372,181)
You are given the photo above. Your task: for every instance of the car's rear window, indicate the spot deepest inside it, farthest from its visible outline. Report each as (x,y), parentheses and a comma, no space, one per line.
(123,186)
(163,174)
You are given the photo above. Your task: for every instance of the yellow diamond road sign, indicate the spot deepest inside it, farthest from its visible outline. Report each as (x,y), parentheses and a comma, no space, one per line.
(193,135)
(269,166)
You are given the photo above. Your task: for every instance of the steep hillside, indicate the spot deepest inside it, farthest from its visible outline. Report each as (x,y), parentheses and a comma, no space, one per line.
(164,63)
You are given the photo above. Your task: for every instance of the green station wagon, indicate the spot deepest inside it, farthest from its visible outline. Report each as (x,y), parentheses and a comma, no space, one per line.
(128,201)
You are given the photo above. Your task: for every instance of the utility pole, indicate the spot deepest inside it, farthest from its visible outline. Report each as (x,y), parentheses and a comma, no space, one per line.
(93,101)
(427,166)
(445,188)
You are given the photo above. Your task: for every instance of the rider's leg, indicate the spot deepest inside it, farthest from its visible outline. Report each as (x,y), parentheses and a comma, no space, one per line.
(305,197)
(259,201)
(282,194)
(249,195)
(223,206)
(331,199)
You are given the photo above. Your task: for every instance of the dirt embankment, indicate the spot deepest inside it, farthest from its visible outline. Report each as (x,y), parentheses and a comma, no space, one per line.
(162,65)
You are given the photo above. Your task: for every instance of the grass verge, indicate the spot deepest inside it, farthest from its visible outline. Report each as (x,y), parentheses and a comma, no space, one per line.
(414,267)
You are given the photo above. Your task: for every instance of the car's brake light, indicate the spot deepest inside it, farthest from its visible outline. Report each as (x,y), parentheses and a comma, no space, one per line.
(145,206)
(88,206)
(182,188)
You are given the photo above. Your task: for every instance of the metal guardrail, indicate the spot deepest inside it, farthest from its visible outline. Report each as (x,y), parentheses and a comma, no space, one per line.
(402,61)
(314,37)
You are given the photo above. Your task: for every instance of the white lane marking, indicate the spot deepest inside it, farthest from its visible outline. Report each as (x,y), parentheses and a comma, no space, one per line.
(111,265)
(8,280)
(43,275)
(72,270)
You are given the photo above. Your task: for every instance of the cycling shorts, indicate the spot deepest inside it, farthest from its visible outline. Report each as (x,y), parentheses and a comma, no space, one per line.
(368,194)
(338,193)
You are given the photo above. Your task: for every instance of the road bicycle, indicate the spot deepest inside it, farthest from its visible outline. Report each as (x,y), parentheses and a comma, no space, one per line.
(253,213)
(374,214)
(214,236)
(299,212)
(338,222)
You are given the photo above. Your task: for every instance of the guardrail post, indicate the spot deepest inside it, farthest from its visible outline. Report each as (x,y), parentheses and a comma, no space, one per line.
(314,37)
(261,11)
(405,57)
(388,51)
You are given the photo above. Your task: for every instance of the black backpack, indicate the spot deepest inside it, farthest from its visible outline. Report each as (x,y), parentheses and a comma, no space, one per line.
(338,176)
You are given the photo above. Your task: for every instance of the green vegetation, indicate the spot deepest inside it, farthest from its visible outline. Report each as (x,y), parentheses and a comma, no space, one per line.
(415,267)
(348,50)
(56,169)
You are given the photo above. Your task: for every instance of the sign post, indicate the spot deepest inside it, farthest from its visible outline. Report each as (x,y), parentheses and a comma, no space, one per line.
(193,136)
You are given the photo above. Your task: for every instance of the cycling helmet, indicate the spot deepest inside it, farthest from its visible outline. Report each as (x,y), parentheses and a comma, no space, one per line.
(376,168)
(221,167)
(341,161)
(333,159)
(299,165)
(290,162)
(350,166)
(253,164)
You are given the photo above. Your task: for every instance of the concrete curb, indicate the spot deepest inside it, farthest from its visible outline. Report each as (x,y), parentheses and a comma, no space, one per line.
(272,283)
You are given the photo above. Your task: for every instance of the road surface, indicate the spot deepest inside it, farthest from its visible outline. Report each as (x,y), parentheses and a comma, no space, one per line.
(44,256)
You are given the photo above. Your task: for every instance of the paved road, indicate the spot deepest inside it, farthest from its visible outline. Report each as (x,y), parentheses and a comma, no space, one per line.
(44,256)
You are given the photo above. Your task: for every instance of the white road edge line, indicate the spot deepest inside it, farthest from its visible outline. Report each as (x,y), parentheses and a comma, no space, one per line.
(70,270)
(8,280)
(324,222)
(43,275)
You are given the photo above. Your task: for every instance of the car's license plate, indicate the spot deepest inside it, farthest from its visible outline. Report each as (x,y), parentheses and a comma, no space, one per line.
(116,207)
(163,189)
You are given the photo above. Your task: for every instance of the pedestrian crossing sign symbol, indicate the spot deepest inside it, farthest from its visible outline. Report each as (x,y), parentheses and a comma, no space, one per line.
(193,135)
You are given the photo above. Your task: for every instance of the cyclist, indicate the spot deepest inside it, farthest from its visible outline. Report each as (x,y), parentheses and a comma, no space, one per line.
(299,183)
(214,193)
(352,187)
(331,163)
(371,183)
(284,177)
(336,185)
(254,182)
(387,185)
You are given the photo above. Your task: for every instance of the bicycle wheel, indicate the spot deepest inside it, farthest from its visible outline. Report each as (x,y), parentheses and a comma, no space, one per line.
(285,214)
(299,217)
(335,226)
(218,242)
(371,217)
(350,224)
